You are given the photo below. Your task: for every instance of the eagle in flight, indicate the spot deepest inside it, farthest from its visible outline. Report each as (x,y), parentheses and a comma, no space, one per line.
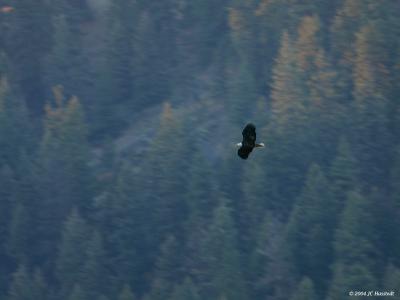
(249,141)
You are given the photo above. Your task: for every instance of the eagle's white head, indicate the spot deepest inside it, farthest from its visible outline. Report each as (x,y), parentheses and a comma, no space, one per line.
(239,144)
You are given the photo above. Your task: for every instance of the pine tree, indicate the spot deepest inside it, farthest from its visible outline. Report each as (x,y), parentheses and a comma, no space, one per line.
(372,137)
(77,293)
(310,229)
(65,145)
(305,290)
(7,201)
(30,26)
(343,171)
(14,131)
(21,287)
(347,21)
(167,269)
(391,280)
(95,277)
(356,255)
(40,288)
(327,109)
(196,39)
(251,211)
(343,174)
(187,290)
(241,25)
(66,64)
(307,44)
(288,155)
(201,191)
(119,63)
(126,293)
(72,257)
(65,178)
(164,167)
(125,215)
(242,92)
(114,85)
(222,257)
(152,81)
(286,101)
(19,234)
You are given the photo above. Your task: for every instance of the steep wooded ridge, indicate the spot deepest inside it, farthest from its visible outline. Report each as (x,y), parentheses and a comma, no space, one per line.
(119,177)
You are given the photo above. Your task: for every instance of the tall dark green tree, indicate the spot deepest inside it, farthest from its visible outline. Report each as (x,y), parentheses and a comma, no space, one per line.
(66,64)
(72,257)
(77,293)
(168,269)
(95,278)
(152,79)
(357,257)
(19,233)
(242,92)
(305,290)
(114,85)
(201,192)
(311,227)
(65,178)
(24,286)
(187,290)
(391,280)
(223,258)
(7,202)
(41,289)
(343,173)
(21,287)
(123,213)
(165,169)
(14,132)
(30,26)
(126,293)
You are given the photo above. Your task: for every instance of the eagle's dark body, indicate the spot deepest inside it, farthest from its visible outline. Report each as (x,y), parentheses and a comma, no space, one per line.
(248,142)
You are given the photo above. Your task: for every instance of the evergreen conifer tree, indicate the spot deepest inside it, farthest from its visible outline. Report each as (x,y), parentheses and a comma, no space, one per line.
(305,290)
(167,269)
(29,26)
(354,245)
(95,279)
(72,256)
(372,137)
(310,229)
(223,257)
(187,290)
(77,293)
(21,287)
(391,279)
(126,293)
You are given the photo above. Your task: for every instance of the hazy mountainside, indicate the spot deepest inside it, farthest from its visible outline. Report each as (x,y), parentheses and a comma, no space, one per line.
(119,177)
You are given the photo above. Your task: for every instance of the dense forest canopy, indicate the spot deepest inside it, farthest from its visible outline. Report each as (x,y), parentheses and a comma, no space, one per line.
(119,178)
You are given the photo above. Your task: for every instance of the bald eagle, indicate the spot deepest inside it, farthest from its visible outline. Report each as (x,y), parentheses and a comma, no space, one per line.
(249,141)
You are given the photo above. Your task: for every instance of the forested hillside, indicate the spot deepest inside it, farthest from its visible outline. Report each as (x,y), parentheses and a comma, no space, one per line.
(119,178)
